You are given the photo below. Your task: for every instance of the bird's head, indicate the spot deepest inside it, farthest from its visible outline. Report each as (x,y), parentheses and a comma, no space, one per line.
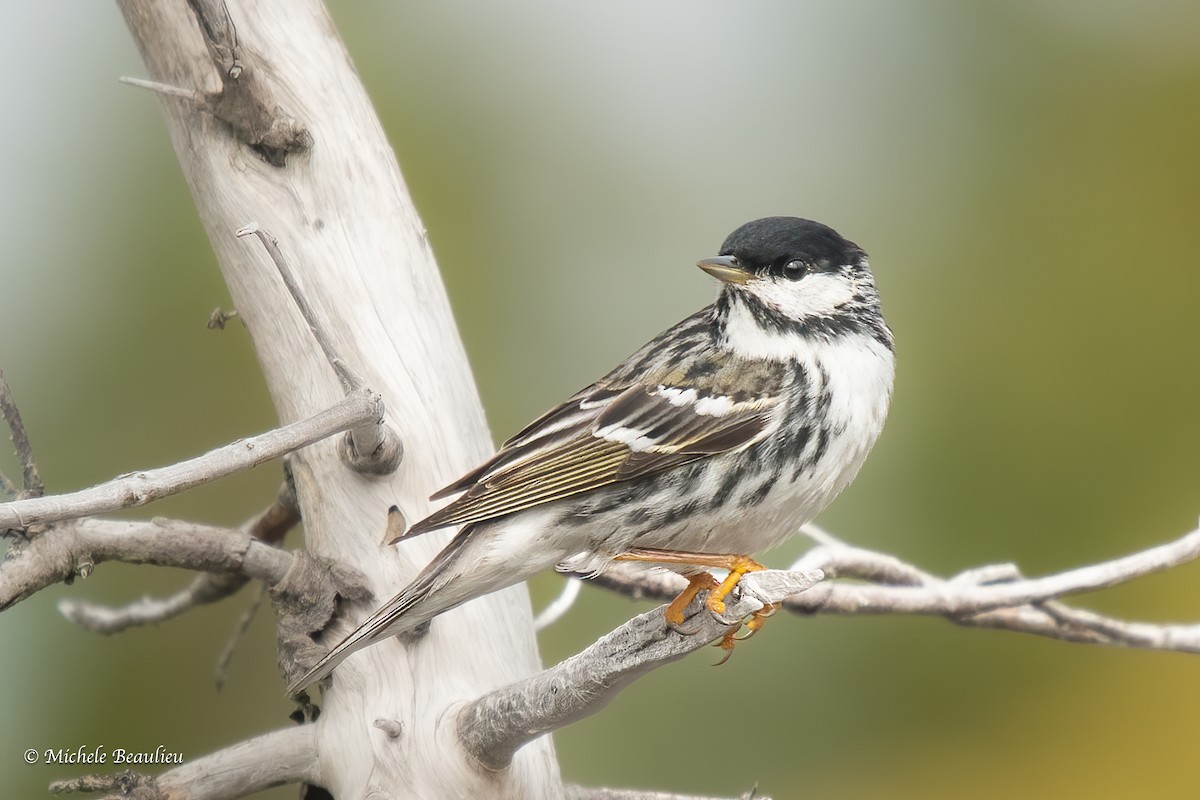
(786,275)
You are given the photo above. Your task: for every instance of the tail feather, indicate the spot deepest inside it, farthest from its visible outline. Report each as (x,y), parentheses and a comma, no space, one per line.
(398,615)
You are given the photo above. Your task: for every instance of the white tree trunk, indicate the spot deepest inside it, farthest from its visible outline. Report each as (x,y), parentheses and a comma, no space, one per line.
(345,221)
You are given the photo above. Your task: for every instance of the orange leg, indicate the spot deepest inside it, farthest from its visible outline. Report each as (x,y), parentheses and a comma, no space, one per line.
(738,565)
(696,584)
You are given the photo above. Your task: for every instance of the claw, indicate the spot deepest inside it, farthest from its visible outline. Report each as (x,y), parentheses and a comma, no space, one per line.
(752,626)
(727,642)
(748,634)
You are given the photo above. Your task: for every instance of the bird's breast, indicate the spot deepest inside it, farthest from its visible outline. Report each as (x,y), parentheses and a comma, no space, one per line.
(754,499)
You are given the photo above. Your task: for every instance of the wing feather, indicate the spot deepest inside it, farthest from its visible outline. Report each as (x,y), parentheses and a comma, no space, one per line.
(559,424)
(602,435)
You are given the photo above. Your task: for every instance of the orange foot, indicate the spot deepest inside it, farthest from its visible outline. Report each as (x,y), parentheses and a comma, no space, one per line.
(697,583)
(737,565)
(753,626)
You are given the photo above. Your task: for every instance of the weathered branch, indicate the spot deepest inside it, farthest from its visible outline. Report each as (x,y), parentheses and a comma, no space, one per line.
(31,479)
(138,488)
(268,527)
(990,597)
(75,548)
(281,757)
(244,102)
(963,596)
(493,727)
(372,448)
(99,618)
(221,672)
(496,725)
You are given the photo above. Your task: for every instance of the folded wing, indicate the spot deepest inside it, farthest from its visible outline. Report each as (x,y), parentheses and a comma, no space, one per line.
(601,436)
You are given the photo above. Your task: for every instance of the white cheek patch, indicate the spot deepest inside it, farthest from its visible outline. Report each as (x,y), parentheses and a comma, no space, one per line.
(820,294)
(748,339)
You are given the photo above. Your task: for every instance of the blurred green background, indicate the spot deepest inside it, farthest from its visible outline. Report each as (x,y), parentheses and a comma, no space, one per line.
(1026,177)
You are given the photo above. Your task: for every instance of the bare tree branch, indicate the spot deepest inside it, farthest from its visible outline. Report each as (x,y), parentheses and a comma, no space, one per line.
(973,598)
(196,97)
(100,618)
(138,488)
(373,448)
(493,727)
(221,672)
(963,597)
(31,479)
(268,527)
(75,548)
(219,318)
(7,487)
(284,756)
(496,725)
(559,606)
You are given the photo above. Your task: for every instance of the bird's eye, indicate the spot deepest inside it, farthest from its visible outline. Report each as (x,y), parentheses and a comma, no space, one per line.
(795,268)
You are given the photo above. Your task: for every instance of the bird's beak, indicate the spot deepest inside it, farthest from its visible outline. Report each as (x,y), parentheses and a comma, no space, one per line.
(725,268)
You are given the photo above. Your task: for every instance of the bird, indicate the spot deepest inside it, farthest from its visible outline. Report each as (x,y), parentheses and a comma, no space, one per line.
(718,439)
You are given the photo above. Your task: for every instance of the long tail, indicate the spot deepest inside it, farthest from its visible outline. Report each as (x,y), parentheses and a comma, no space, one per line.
(447,582)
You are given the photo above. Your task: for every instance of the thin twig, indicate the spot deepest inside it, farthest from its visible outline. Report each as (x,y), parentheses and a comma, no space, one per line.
(31,478)
(349,379)
(100,618)
(219,318)
(559,606)
(167,90)
(221,674)
(371,448)
(139,488)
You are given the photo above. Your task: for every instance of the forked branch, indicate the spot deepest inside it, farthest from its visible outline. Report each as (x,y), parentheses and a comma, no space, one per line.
(372,448)
(268,527)
(493,727)
(75,548)
(996,596)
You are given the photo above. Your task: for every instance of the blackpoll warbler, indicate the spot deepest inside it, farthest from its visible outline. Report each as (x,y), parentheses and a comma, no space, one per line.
(719,438)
